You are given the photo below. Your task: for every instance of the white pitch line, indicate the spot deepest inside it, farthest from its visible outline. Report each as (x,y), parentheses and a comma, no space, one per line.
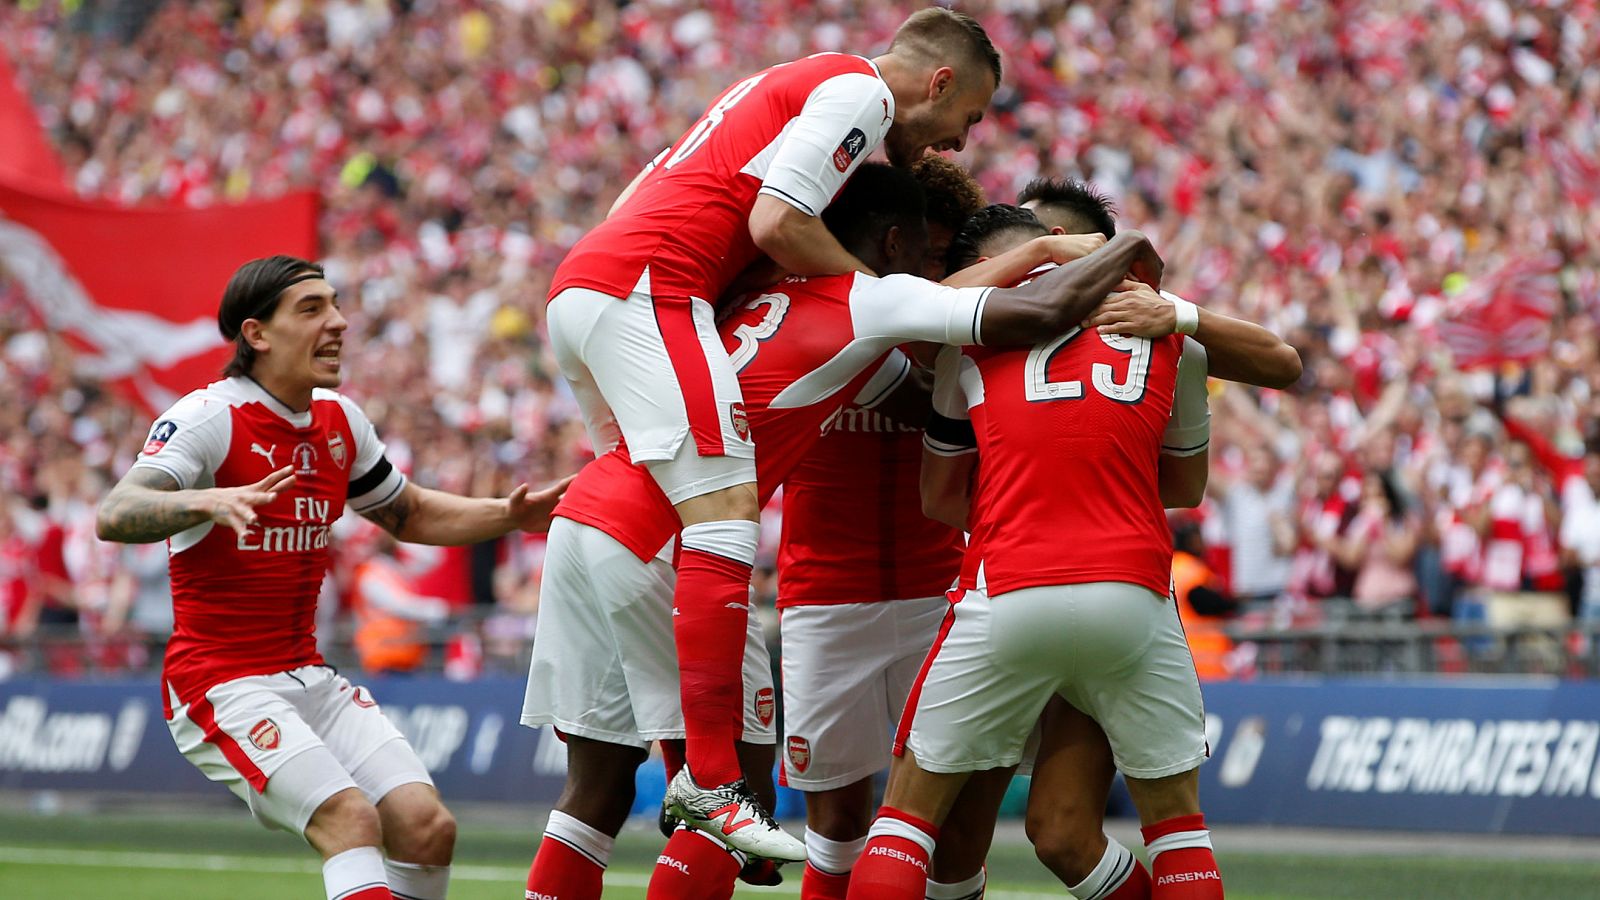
(269,865)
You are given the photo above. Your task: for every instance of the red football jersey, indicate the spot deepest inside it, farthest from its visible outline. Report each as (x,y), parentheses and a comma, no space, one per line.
(1069,436)
(246,605)
(803,350)
(794,131)
(853,528)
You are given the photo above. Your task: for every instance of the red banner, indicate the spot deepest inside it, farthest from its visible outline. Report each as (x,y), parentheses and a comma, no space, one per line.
(26,156)
(1505,315)
(136,288)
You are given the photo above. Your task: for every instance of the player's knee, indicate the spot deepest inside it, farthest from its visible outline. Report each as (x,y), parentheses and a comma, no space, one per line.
(1064,845)
(425,835)
(344,821)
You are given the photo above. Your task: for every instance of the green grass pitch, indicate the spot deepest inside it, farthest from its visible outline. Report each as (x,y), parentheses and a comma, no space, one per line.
(136,857)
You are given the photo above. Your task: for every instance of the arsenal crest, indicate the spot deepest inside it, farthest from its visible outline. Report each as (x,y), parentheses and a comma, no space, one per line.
(265,735)
(764,705)
(741,420)
(799,754)
(336,448)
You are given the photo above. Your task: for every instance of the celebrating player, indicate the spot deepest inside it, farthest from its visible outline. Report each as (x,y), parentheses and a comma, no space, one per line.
(803,349)
(272,455)
(1070,773)
(861,581)
(631,324)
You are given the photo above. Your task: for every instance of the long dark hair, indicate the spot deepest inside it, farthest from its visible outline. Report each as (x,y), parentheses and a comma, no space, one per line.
(253,293)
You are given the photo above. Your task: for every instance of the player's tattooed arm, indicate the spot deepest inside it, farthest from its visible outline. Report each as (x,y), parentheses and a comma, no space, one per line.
(147,505)
(424,516)
(1063,297)
(393,517)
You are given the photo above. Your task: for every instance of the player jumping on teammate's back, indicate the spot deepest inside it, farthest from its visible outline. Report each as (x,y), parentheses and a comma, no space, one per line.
(633,331)
(804,348)
(244,478)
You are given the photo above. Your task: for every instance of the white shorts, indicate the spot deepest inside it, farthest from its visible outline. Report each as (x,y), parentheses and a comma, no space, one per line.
(652,370)
(604,663)
(284,743)
(1116,651)
(847,670)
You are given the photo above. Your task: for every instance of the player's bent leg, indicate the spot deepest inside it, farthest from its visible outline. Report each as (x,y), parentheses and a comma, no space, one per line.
(419,840)
(1182,863)
(345,829)
(966,834)
(581,831)
(836,832)
(417,828)
(1072,777)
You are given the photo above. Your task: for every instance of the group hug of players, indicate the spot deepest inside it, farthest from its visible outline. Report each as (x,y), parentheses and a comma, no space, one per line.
(762,308)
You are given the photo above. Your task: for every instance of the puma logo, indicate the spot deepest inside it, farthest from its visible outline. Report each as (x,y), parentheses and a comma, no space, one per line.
(256,448)
(886,116)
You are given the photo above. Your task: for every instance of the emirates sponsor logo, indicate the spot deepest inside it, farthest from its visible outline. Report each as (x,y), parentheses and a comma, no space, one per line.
(864,421)
(531,894)
(265,735)
(765,705)
(284,539)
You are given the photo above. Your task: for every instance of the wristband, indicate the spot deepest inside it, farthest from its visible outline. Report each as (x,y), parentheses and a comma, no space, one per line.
(1188,316)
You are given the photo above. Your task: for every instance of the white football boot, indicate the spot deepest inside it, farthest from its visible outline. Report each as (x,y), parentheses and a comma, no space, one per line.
(732,815)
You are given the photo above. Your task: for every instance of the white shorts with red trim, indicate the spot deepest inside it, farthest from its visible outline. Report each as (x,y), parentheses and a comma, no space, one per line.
(653,371)
(1116,651)
(604,663)
(847,670)
(286,742)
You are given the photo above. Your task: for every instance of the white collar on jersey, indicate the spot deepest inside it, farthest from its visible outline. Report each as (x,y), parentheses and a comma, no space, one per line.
(294,417)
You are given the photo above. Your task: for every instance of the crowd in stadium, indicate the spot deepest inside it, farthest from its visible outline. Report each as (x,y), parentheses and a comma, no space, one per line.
(1357,176)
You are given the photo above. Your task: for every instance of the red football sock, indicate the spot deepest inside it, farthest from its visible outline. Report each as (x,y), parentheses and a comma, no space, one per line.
(693,867)
(895,864)
(672,758)
(1181,862)
(1137,887)
(816,884)
(561,872)
(710,614)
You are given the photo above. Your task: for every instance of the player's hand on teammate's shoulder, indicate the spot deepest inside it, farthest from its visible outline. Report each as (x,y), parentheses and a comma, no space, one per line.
(1065,248)
(235,507)
(1148,265)
(530,510)
(1134,309)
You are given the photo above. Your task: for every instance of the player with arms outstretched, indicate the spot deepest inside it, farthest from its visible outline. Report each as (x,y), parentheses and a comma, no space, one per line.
(245,478)
(631,324)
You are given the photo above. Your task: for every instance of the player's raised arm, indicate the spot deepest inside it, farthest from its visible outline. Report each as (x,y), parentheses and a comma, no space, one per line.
(1238,350)
(1062,297)
(147,505)
(425,516)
